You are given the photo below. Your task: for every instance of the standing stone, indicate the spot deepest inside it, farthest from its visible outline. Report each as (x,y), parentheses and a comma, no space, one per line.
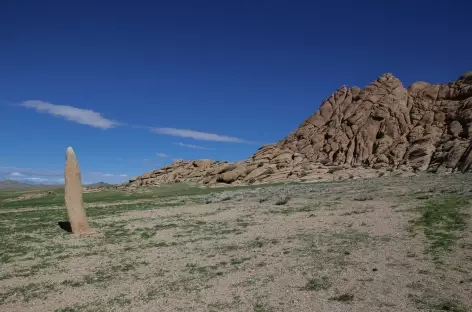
(73,195)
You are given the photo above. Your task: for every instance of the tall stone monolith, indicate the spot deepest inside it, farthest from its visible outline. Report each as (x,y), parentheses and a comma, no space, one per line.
(73,195)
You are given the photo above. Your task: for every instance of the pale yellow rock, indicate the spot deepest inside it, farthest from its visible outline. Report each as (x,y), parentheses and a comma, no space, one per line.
(73,195)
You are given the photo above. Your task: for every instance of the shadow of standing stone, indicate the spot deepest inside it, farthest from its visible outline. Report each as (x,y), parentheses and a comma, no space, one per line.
(65,225)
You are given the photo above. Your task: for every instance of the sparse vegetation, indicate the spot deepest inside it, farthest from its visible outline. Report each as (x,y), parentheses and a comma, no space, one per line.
(316,284)
(283,200)
(263,199)
(442,220)
(363,197)
(261,307)
(467,76)
(235,261)
(438,304)
(343,298)
(164,244)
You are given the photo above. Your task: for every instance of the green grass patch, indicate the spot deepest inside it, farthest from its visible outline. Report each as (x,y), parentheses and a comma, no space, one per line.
(343,298)
(55,197)
(261,307)
(27,292)
(316,284)
(236,261)
(442,219)
(437,304)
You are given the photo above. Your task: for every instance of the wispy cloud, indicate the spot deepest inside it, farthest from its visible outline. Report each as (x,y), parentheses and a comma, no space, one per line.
(197,135)
(29,171)
(100,174)
(38,180)
(95,119)
(79,115)
(192,146)
(123,175)
(16,174)
(162,155)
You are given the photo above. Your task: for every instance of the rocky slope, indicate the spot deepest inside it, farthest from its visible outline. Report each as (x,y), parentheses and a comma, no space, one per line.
(381,129)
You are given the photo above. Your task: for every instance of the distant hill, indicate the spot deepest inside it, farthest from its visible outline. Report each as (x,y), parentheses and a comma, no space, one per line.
(98,184)
(17,185)
(10,184)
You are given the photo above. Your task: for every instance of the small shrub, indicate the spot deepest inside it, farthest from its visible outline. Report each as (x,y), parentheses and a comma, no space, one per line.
(343,298)
(283,200)
(316,284)
(363,198)
(467,76)
(261,307)
(263,199)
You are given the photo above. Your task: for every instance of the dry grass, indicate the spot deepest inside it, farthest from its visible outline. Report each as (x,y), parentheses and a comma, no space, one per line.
(324,249)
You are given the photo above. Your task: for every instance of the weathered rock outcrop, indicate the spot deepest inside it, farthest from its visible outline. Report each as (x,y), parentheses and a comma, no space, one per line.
(383,127)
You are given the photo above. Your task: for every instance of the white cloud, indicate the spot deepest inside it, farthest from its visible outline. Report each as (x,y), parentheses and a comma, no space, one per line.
(192,146)
(99,174)
(123,175)
(197,135)
(162,155)
(16,174)
(30,171)
(79,115)
(37,179)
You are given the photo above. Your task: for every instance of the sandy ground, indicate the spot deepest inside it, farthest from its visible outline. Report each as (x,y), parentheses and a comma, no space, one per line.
(343,246)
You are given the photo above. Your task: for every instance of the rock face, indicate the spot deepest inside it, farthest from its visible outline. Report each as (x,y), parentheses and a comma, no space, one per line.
(356,132)
(73,195)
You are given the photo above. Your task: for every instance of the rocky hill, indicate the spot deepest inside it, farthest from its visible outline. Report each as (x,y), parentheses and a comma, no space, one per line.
(384,128)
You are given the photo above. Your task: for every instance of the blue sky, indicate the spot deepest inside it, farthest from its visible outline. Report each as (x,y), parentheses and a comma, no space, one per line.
(132,85)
